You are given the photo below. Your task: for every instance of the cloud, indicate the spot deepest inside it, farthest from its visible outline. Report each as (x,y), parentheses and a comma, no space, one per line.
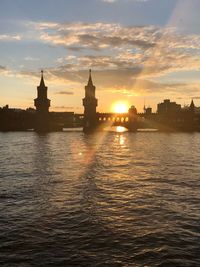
(6,37)
(4,71)
(114,1)
(67,108)
(96,36)
(196,97)
(130,59)
(64,93)
(115,81)
(109,1)
(63,107)
(29,58)
(110,83)
(149,50)
(2,68)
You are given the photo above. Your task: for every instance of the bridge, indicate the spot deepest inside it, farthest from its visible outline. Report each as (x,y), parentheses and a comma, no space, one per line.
(174,120)
(169,117)
(93,121)
(127,120)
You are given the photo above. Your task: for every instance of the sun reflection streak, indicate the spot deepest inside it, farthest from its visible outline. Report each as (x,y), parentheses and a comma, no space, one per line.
(122,140)
(85,150)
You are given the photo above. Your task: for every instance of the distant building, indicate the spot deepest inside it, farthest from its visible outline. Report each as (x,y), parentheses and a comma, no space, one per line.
(167,107)
(31,110)
(6,107)
(148,111)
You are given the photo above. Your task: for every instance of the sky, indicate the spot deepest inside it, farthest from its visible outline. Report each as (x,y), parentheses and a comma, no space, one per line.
(140,51)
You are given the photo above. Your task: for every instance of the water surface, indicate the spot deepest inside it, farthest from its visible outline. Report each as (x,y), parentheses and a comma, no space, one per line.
(111,199)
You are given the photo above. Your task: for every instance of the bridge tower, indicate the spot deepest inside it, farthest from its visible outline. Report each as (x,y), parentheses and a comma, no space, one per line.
(90,104)
(42,104)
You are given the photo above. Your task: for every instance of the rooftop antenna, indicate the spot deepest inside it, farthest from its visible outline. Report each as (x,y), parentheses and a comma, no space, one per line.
(144,108)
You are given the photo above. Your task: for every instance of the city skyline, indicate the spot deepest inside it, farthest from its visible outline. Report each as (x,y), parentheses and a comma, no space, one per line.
(138,51)
(169,116)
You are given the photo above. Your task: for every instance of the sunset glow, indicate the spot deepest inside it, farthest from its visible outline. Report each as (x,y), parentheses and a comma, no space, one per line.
(120,107)
(136,49)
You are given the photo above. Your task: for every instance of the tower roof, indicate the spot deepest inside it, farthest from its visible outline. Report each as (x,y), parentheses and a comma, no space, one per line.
(90,83)
(192,104)
(42,84)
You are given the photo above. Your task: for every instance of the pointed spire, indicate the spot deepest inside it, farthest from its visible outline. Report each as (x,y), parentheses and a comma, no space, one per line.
(42,84)
(192,104)
(144,108)
(90,78)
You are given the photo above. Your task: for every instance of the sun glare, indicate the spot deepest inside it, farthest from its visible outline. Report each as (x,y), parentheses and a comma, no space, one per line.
(120,129)
(120,107)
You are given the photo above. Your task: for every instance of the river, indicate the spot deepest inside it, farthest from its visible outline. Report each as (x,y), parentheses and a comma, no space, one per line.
(110,199)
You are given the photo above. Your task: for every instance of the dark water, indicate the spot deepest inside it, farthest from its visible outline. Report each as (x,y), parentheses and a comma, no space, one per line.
(107,200)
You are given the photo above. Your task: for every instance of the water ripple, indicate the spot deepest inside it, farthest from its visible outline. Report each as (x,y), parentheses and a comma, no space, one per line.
(125,199)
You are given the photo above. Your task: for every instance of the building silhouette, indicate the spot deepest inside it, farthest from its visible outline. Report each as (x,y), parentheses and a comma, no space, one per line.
(42,104)
(90,103)
(167,107)
(192,106)
(170,116)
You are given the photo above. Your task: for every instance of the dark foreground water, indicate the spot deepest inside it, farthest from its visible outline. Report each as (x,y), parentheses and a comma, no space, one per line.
(113,199)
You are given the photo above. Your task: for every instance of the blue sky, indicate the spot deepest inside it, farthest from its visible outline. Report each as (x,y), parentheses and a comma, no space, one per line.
(137,49)
(127,12)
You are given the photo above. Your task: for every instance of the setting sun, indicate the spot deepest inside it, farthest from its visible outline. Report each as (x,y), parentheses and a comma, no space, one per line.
(120,107)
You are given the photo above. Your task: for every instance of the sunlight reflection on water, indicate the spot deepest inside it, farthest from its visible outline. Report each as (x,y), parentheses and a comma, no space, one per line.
(118,129)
